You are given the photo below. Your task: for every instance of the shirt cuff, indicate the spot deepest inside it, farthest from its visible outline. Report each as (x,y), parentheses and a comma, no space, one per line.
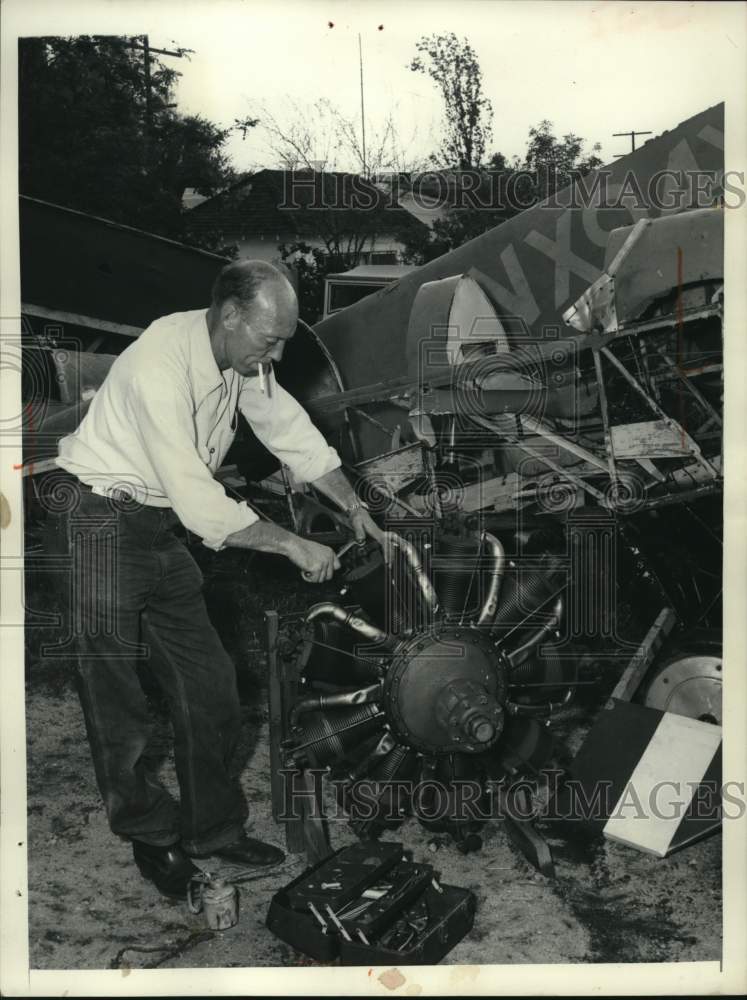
(241,517)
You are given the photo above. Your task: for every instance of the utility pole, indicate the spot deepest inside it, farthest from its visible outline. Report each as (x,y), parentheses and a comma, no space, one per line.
(146,49)
(144,46)
(632,135)
(363,113)
(148,90)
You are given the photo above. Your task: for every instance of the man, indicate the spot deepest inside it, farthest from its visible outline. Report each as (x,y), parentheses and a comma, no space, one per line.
(143,459)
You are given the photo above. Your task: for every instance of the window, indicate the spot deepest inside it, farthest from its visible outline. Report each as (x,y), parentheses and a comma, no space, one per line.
(343,295)
(378,257)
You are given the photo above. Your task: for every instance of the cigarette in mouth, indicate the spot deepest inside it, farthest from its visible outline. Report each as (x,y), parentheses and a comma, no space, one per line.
(262,378)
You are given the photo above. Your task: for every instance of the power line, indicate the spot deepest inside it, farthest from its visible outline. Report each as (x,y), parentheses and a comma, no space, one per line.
(145,47)
(633,133)
(147,50)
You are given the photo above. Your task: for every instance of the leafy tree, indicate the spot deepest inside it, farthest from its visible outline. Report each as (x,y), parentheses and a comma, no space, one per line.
(557,162)
(311,266)
(549,165)
(453,66)
(90,140)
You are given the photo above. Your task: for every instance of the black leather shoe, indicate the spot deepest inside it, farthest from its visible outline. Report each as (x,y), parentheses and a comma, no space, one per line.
(169,868)
(248,851)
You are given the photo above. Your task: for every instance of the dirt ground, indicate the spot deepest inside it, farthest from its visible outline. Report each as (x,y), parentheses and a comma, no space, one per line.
(90,909)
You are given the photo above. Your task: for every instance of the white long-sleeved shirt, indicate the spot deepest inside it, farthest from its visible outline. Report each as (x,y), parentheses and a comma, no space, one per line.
(164,418)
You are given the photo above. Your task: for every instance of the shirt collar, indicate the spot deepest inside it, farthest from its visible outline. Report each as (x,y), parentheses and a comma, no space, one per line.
(204,373)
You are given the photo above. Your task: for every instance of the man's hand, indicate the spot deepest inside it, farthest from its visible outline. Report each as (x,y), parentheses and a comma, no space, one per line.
(317,562)
(363,526)
(336,487)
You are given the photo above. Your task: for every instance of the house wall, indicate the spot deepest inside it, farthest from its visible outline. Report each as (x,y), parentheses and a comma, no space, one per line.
(257,248)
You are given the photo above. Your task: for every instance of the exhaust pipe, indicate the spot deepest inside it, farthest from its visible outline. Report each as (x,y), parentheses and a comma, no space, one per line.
(490,606)
(362,696)
(326,609)
(408,551)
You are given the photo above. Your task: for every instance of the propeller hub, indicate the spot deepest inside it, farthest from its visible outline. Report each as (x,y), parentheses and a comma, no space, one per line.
(444,692)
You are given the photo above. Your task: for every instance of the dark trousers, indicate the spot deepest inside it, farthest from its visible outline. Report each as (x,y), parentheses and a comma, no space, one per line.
(137,597)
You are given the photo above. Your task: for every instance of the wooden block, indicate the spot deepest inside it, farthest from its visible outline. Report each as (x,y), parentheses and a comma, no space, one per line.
(641,775)
(658,793)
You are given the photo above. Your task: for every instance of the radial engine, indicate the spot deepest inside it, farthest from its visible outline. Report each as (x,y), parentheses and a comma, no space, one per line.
(437,672)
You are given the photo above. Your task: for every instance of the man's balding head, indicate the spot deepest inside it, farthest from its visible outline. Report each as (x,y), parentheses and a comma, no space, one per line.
(254,311)
(254,283)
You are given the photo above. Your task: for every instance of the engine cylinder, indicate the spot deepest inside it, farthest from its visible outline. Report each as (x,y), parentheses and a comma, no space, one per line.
(333,659)
(391,764)
(327,735)
(369,584)
(523,592)
(542,679)
(457,575)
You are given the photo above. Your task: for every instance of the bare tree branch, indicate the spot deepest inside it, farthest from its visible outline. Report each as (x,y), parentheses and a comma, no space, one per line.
(320,136)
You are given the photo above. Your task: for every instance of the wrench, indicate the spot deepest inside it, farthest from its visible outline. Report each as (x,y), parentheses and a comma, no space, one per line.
(341,552)
(348,546)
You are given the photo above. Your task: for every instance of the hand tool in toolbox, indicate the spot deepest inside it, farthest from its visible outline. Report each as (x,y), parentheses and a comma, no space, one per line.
(422,935)
(343,876)
(367,904)
(406,882)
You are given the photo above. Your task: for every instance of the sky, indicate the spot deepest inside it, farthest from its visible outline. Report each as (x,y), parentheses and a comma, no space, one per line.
(593,69)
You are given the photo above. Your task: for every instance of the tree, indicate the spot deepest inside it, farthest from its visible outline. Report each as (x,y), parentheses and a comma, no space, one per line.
(352,196)
(319,136)
(347,213)
(504,189)
(453,67)
(557,162)
(311,266)
(302,137)
(90,139)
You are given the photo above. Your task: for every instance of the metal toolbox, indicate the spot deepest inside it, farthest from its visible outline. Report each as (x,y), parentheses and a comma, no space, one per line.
(451,913)
(366,905)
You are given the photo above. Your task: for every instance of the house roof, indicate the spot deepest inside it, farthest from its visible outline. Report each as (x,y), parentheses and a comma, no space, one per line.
(296,202)
(431,195)
(391,272)
(191,197)
(425,210)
